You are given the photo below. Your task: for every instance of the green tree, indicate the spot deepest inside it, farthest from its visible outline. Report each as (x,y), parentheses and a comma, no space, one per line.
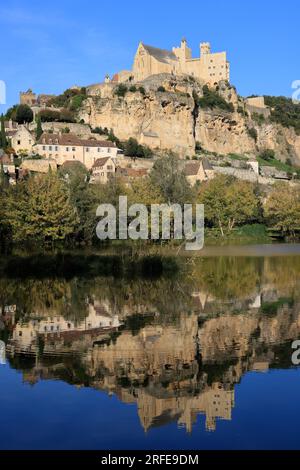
(3,140)
(24,114)
(168,176)
(142,191)
(11,113)
(282,209)
(39,129)
(40,209)
(229,202)
(81,197)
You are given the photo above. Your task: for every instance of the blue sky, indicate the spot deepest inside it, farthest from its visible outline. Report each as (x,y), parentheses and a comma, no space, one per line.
(51,45)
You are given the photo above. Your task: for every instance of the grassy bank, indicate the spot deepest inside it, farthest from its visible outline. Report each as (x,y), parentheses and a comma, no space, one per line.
(245,235)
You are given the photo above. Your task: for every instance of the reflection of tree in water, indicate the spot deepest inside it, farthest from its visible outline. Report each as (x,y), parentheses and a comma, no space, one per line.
(227,278)
(284,274)
(45,297)
(164,358)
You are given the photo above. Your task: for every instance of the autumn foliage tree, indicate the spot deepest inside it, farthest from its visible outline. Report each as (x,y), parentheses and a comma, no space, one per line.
(282,209)
(40,210)
(229,202)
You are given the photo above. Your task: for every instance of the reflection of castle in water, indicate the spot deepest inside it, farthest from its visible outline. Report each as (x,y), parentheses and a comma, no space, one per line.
(173,368)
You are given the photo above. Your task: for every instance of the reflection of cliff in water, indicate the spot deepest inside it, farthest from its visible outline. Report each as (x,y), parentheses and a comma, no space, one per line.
(175,348)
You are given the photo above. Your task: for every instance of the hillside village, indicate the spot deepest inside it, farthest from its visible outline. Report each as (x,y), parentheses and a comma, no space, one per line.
(168,102)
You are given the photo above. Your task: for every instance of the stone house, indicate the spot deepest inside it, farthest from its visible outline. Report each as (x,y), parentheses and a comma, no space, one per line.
(128,175)
(10,126)
(68,147)
(22,140)
(103,170)
(198,171)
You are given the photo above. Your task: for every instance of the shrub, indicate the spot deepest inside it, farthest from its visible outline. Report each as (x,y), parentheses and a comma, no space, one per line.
(267,155)
(133,149)
(100,131)
(212,99)
(49,115)
(121,90)
(133,89)
(142,90)
(67,116)
(258,118)
(24,114)
(77,102)
(253,133)
(198,147)
(284,111)
(161,89)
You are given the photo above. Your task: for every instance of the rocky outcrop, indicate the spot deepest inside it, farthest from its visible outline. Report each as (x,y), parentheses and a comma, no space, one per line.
(164,115)
(223,133)
(163,120)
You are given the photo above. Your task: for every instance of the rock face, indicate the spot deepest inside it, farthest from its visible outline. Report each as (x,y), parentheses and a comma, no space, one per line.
(164,115)
(159,120)
(223,133)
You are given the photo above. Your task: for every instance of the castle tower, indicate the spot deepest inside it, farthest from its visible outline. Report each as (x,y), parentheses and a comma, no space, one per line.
(183,52)
(205,48)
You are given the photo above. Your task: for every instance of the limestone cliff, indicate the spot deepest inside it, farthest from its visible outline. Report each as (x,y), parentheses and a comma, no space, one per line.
(162,112)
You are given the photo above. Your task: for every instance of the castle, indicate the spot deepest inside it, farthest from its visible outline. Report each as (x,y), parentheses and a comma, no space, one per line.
(209,67)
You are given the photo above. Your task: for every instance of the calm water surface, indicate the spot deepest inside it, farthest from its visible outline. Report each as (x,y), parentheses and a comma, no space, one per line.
(197,361)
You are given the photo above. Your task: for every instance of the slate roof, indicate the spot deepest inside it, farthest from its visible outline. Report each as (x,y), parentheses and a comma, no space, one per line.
(100,162)
(192,169)
(206,164)
(73,140)
(161,55)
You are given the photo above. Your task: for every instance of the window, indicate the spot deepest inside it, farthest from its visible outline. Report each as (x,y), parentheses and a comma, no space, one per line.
(99,149)
(109,167)
(87,149)
(44,147)
(56,148)
(67,149)
(19,142)
(50,148)
(29,142)
(108,150)
(73,149)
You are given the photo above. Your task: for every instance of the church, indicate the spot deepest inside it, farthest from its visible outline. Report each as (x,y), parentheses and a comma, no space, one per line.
(209,67)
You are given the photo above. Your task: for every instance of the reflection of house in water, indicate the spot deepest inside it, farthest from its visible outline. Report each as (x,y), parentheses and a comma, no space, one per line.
(174,365)
(55,331)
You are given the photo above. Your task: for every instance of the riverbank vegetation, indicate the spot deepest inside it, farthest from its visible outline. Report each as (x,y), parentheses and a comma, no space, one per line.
(60,208)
